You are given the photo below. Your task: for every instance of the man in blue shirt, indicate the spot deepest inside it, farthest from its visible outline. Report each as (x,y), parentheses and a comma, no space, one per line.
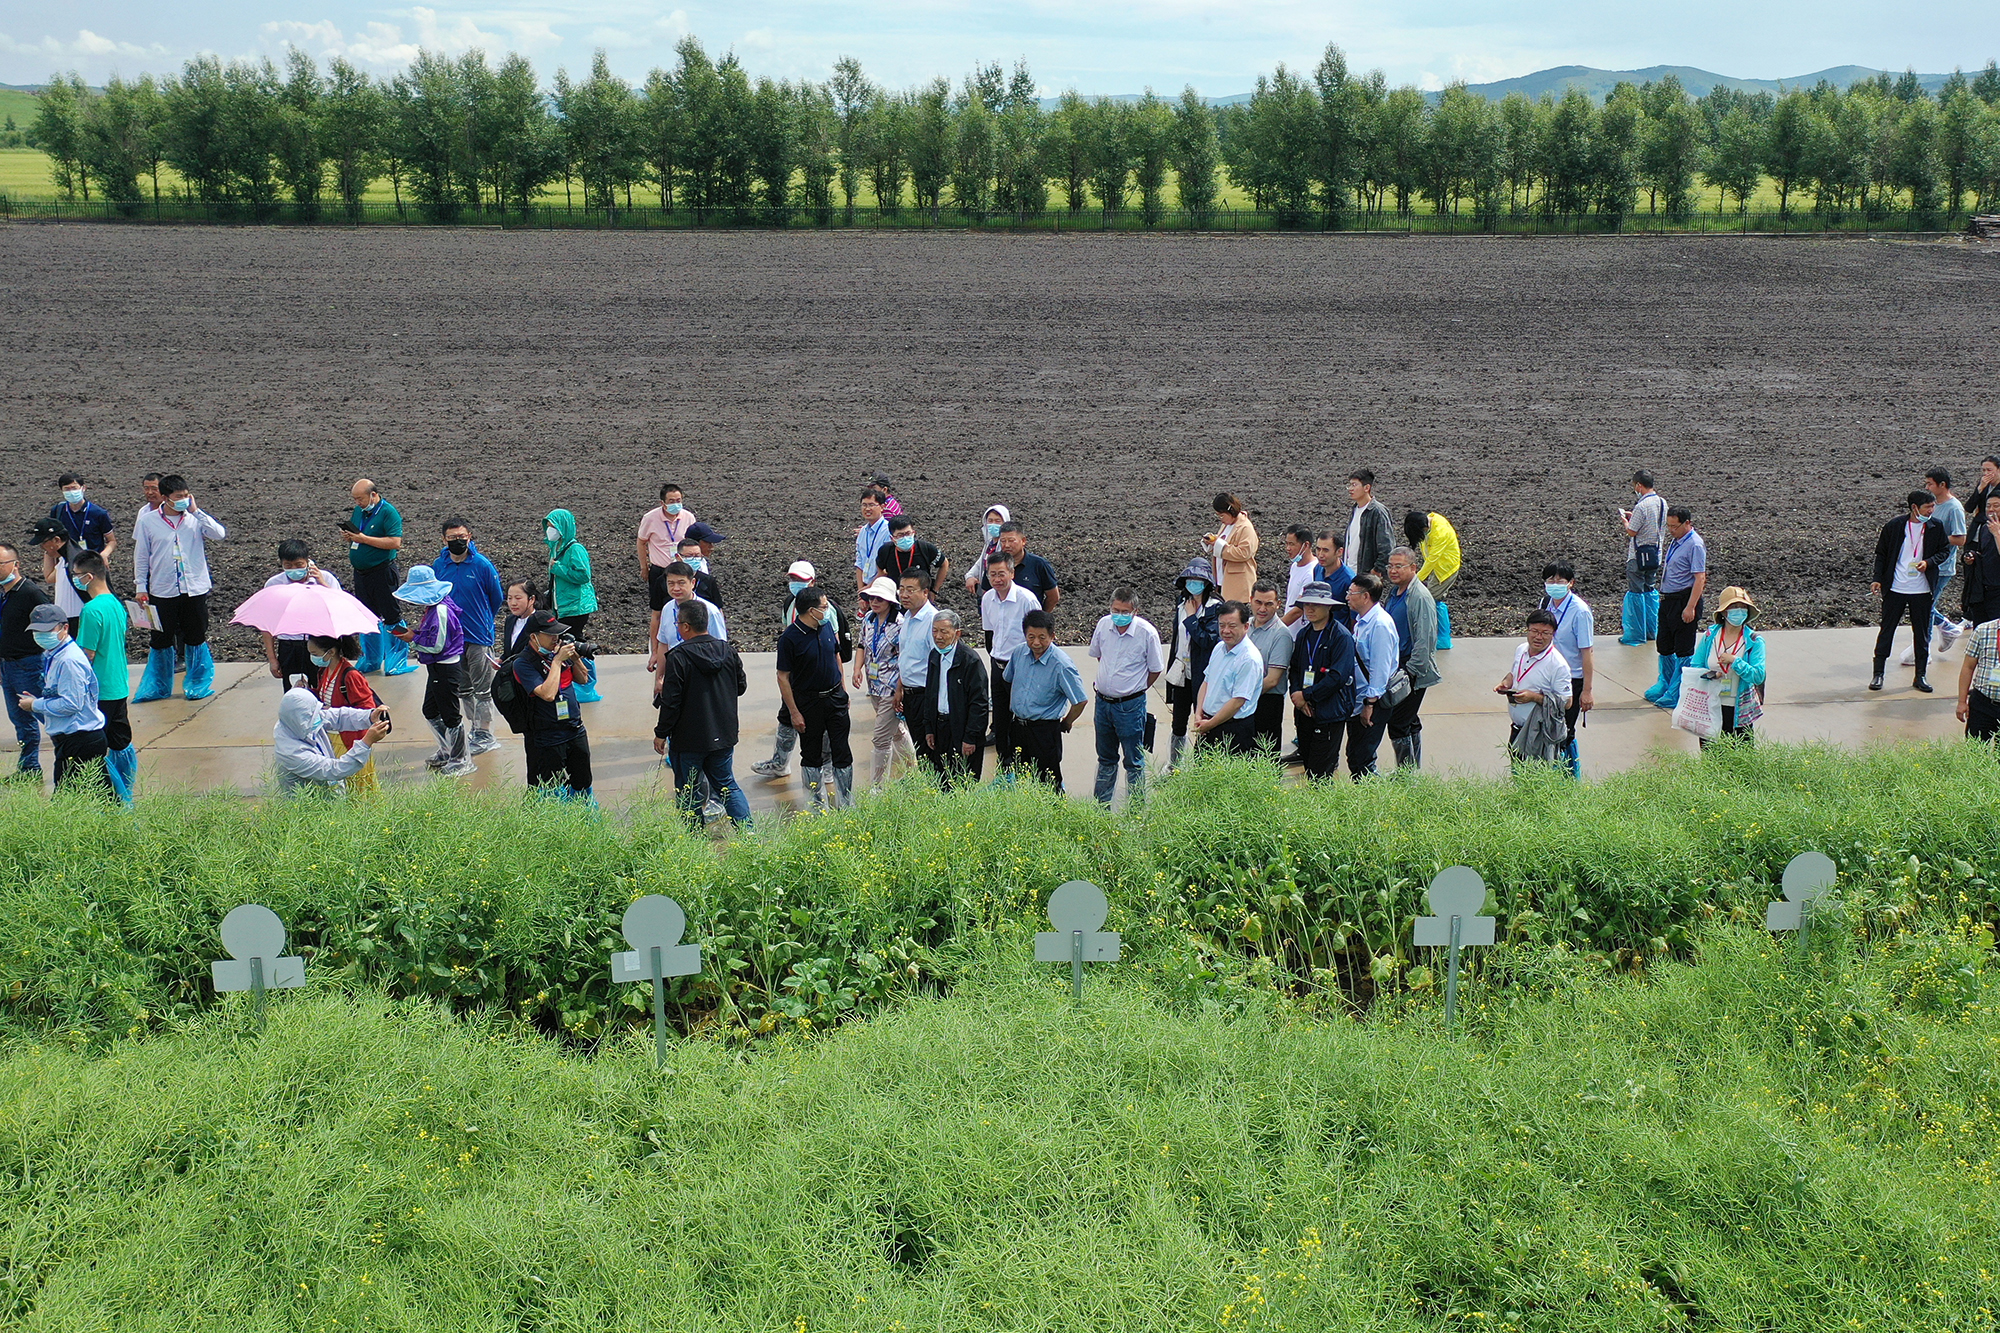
(85,523)
(1375,653)
(1683,577)
(1041,679)
(1329,551)
(476,592)
(913,656)
(809,660)
(869,540)
(1576,625)
(1231,684)
(67,706)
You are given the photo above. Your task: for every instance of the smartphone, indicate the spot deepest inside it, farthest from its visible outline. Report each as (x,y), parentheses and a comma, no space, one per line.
(347,525)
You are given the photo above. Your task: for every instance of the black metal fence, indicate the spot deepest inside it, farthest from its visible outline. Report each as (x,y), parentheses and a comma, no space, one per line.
(1055,220)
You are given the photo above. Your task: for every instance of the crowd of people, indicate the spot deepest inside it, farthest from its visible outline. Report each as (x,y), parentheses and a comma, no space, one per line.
(1347,639)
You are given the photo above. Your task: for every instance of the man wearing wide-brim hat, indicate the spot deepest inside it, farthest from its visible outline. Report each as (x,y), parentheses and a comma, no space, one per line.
(1320,681)
(439,643)
(1733,653)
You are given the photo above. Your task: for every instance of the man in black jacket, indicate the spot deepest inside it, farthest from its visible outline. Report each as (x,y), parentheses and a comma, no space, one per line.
(20,655)
(1907,556)
(1321,682)
(956,704)
(1369,539)
(700,682)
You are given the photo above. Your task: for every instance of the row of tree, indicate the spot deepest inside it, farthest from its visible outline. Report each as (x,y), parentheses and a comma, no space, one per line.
(452,134)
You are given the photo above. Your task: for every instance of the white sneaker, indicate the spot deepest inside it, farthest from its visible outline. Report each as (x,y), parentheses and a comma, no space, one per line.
(772,768)
(458,768)
(1948,634)
(1909,657)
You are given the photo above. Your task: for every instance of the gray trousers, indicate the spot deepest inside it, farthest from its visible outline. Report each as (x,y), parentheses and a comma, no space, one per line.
(475,687)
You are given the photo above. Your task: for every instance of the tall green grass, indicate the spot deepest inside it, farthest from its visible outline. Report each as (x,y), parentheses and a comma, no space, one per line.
(1766,1139)
(1226,883)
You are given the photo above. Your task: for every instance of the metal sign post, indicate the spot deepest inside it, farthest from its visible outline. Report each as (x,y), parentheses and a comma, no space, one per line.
(653,927)
(1077,911)
(1808,877)
(1456,897)
(255,939)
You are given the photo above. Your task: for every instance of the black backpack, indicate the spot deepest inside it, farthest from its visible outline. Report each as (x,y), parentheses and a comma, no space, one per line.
(510,700)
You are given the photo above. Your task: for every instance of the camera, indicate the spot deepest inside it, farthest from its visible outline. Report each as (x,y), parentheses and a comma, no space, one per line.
(584,647)
(382,716)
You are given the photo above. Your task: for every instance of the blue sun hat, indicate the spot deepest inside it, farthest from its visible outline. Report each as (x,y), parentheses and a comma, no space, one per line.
(423,587)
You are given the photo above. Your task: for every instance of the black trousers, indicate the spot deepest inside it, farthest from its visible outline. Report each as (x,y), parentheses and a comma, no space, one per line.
(1897,607)
(183,620)
(117,723)
(559,759)
(76,754)
(955,767)
(375,588)
(1003,714)
(1270,720)
(1364,742)
(1237,736)
(294,660)
(1039,745)
(825,730)
(1403,720)
(443,681)
(1748,735)
(1319,744)
(1181,699)
(1677,637)
(917,718)
(1982,721)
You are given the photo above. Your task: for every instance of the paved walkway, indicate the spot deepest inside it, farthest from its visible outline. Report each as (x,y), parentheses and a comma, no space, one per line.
(1818,691)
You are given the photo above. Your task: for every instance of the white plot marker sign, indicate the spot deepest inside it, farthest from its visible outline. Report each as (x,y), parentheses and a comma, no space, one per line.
(1455,897)
(255,939)
(653,926)
(1077,910)
(1809,876)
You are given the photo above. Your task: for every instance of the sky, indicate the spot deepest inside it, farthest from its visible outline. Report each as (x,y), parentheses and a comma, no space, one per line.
(1094,46)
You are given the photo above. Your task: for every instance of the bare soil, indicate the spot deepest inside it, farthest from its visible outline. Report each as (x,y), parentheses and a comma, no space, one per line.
(1104,387)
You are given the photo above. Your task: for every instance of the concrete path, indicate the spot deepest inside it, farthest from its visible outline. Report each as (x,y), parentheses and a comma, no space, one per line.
(1818,691)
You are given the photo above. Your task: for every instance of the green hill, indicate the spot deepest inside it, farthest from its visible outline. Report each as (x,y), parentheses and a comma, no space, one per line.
(1698,82)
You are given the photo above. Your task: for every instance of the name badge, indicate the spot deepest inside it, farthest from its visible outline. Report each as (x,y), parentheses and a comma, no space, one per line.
(1311,676)
(562,710)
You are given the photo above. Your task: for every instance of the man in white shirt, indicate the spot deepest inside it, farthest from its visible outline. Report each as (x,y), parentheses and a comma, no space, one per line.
(680,589)
(170,569)
(1129,659)
(1298,573)
(1000,611)
(1540,675)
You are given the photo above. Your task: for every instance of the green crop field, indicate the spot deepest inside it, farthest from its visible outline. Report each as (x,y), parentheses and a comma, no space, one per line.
(880,1116)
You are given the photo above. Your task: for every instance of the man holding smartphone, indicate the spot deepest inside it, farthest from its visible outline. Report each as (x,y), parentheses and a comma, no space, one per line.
(374,533)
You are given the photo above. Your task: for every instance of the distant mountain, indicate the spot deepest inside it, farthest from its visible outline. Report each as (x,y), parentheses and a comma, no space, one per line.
(1599,82)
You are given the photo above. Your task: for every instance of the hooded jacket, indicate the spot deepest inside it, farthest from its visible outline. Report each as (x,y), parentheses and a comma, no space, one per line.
(305,755)
(1202,631)
(569,567)
(699,686)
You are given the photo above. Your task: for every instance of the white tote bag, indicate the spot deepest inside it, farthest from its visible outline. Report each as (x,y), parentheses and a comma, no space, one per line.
(1700,708)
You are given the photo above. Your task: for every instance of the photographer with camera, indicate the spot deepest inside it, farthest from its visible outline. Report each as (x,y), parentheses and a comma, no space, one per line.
(548,671)
(306,760)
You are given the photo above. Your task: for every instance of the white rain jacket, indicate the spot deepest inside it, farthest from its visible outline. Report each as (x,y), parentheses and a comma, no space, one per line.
(305,755)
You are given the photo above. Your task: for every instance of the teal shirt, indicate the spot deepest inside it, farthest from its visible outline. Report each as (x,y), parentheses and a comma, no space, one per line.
(384,522)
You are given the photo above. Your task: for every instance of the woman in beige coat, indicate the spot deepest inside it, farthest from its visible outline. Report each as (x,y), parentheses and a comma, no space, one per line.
(1233,549)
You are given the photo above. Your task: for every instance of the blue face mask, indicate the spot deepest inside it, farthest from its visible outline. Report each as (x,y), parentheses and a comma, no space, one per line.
(48,638)
(1556,591)
(1122,619)
(699,564)
(181,505)
(992,531)
(1196,587)
(319,661)
(1737,615)
(906,543)
(81,582)
(797,587)
(297,575)
(673,509)
(73,497)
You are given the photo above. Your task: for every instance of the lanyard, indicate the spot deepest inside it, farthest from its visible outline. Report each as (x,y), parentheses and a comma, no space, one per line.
(1568,605)
(1522,673)
(75,521)
(1674,545)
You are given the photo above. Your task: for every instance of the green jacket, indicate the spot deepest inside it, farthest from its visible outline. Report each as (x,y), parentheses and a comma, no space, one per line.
(569,567)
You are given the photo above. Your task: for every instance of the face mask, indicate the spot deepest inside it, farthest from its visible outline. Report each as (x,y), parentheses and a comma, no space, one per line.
(992,531)
(673,509)
(1196,587)
(181,505)
(319,661)
(550,534)
(81,582)
(297,575)
(699,564)
(1737,615)
(797,587)
(8,582)
(1556,591)
(47,638)
(458,545)
(906,543)
(1122,619)
(73,497)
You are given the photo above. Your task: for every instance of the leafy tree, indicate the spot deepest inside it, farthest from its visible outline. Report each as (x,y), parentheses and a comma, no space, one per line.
(882,140)
(1402,123)
(972,153)
(1670,146)
(1958,123)
(428,101)
(1066,148)
(662,128)
(1788,145)
(853,95)
(1914,164)
(301,155)
(1521,122)
(1278,146)
(1343,117)
(1736,163)
(1569,154)
(1150,131)
(353,128)
(1196,154)
(772,136)
(59,131)
(1107,142)
(516,142)
(816,135)
(599,120)
(931,144)
(1987,86)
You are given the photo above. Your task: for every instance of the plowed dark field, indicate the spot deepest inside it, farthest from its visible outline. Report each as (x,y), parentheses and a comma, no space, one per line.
(1103,387)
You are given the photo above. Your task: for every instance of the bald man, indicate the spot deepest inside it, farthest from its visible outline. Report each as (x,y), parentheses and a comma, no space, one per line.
(374,534)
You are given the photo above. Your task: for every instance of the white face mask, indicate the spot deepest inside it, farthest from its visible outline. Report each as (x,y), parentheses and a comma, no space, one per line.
(550,533)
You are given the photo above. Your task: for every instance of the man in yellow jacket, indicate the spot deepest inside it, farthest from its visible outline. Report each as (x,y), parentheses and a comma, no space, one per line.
(1437,543)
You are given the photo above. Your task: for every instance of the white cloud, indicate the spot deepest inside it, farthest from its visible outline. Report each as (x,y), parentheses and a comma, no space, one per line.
(87,45)
(378,45)
(759,39)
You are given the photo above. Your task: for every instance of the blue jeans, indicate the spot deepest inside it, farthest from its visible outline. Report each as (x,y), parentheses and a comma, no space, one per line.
(24,675)
(1938,617)
(1120,725)
(719,767)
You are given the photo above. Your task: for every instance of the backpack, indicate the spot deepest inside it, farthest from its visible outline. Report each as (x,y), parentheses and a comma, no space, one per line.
(512,702)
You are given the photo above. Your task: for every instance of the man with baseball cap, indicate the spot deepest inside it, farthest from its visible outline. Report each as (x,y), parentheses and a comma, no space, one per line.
(67,706)
(800,575)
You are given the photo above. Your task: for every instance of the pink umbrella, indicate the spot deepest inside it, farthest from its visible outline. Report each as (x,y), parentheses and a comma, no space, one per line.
(306,608)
